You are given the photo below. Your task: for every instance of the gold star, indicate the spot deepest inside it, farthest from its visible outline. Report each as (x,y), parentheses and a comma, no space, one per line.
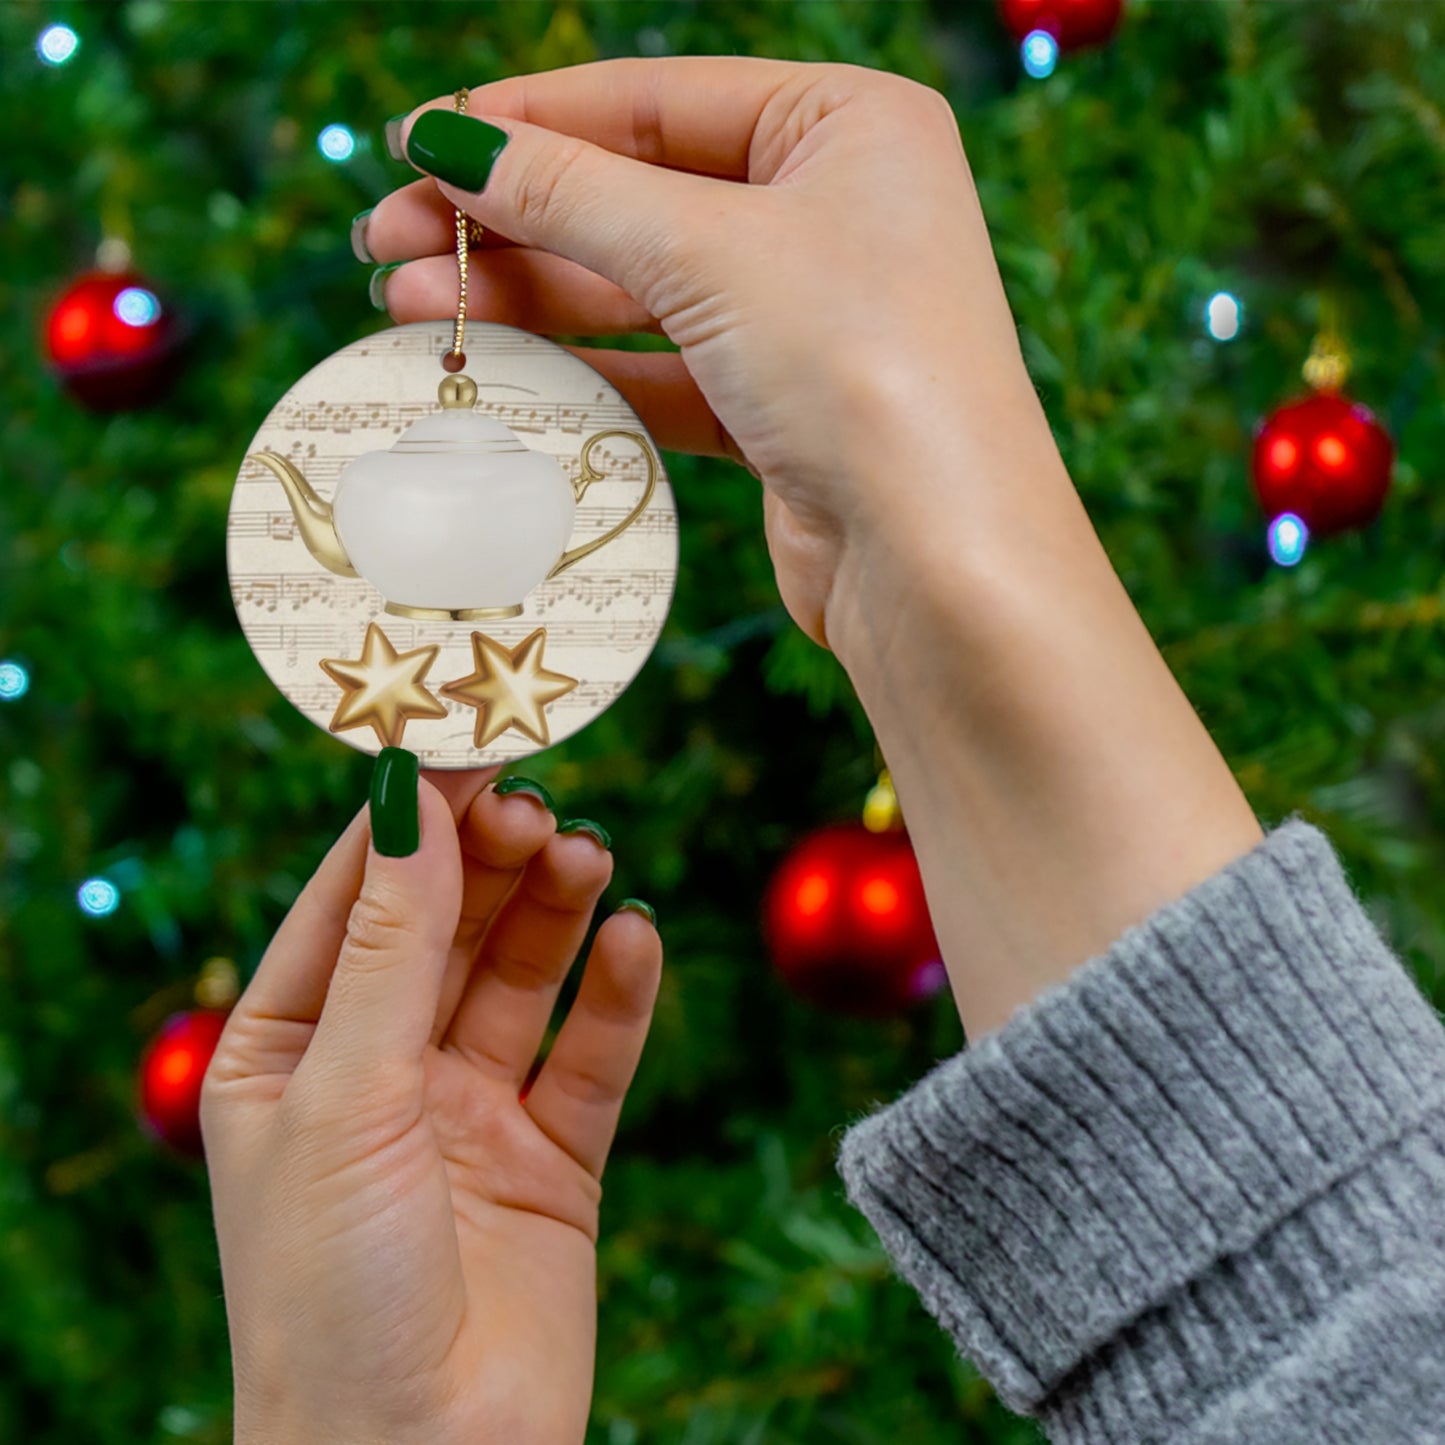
(510,688)
(383,687)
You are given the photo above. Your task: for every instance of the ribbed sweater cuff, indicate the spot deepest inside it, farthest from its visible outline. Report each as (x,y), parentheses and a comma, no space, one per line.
(1145,1163)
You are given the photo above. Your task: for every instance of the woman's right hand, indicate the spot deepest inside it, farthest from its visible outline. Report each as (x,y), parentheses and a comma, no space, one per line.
(842,327)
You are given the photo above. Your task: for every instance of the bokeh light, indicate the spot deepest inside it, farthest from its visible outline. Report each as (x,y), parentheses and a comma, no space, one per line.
(98,897)
(1040,53)
(57,44)
(1288,537)
(137,307)
(1223,316)
(14,681)
(336,143)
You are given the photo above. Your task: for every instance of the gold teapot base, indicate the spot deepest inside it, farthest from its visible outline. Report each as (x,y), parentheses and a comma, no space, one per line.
(462,614)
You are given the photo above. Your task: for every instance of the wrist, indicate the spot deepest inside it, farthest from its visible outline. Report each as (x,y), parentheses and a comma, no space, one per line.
(1056,782)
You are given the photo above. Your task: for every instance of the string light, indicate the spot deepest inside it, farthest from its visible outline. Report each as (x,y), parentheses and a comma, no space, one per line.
(57,44)
(336,143)
(1288,537)
(98,897)
(14,681)
(1223,316)
(137,307)
(1040,52)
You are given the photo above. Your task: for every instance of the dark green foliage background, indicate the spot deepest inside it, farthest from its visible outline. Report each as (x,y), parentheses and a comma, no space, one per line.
(1284,151)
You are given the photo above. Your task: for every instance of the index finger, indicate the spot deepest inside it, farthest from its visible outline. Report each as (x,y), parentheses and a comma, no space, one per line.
(695,113)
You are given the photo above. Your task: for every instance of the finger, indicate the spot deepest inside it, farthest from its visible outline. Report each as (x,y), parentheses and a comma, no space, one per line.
(658,386)
(272,1022)
(460,786)
(417,220)
(500,835)
(517,287)
(621,218)
(504,1010)
(695,113)
(383,993)
(577,1098)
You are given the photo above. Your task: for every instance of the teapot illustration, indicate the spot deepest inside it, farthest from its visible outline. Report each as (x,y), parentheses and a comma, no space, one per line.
(459,520)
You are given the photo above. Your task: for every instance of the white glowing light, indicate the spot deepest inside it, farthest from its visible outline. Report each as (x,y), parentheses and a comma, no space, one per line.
(1223,316)
(14,681)
(1040,53)
(57,44)
(137,307)
(336,143)
(1288,537)
(98,897)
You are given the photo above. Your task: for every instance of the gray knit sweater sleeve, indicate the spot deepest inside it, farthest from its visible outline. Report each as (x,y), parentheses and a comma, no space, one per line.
(1197,1191)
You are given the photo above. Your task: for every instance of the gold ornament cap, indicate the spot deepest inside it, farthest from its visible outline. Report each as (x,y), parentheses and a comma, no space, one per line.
(881,813)
(219,985)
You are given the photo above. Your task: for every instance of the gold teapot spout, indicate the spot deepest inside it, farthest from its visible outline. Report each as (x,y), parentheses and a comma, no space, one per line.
(313,516)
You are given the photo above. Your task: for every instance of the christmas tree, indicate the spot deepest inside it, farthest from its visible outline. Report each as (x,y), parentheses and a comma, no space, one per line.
(163,804)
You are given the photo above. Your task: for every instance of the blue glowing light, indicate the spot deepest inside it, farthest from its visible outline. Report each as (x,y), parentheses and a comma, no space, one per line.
(137,307)
(57,44)
(14,681)
(1288,537)
(1040,53)
(1223,316)
(98,897)
(336,143)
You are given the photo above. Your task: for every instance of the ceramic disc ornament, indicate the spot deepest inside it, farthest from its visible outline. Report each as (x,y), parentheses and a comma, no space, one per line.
(470,566)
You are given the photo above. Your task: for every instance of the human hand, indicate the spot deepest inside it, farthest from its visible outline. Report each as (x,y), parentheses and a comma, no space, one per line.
(838,307)
(408,1247)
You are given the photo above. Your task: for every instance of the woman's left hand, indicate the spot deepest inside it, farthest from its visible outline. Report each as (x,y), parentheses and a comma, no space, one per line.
(407,1236)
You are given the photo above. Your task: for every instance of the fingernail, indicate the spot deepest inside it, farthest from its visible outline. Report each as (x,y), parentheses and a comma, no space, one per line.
(636,905)
(376,288)
(586,825)
(455,148)
(514,784)
(395,820)
(359,248)
(393,136)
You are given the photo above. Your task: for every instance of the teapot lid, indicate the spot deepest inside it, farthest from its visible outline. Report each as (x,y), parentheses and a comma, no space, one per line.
(457,428)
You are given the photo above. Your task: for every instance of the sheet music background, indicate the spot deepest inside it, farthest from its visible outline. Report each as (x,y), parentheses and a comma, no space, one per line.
(603,615)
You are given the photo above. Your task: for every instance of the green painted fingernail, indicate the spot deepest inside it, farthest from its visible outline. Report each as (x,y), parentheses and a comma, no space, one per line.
(395,820)
(393,136)
(636,905)
(359,248)
(377,287)
(515,784)
(455,148)
(586,825)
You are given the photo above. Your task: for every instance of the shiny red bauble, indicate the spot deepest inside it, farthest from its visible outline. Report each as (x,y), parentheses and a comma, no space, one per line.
(1073,23)
(1326,459)
(847,924)
(171,1072)
(112,341)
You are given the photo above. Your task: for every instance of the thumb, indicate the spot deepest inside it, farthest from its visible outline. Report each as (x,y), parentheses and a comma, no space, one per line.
(382,1000)
(634,224)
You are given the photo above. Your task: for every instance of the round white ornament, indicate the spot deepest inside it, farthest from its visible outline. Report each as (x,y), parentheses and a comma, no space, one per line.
(472,570)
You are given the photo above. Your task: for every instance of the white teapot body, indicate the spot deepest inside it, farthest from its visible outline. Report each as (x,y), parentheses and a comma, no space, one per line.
(459,519)
(455,518)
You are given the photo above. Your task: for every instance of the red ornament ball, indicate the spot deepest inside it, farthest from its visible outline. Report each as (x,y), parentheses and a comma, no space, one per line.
(112,341)
(847,923)
(1326,459)
(1073,23)
(171,1072)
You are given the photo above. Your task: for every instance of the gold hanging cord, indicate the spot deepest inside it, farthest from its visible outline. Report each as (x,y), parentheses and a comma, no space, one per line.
(469,233)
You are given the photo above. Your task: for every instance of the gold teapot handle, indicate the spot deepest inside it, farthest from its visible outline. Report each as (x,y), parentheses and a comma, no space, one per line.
(589,475)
